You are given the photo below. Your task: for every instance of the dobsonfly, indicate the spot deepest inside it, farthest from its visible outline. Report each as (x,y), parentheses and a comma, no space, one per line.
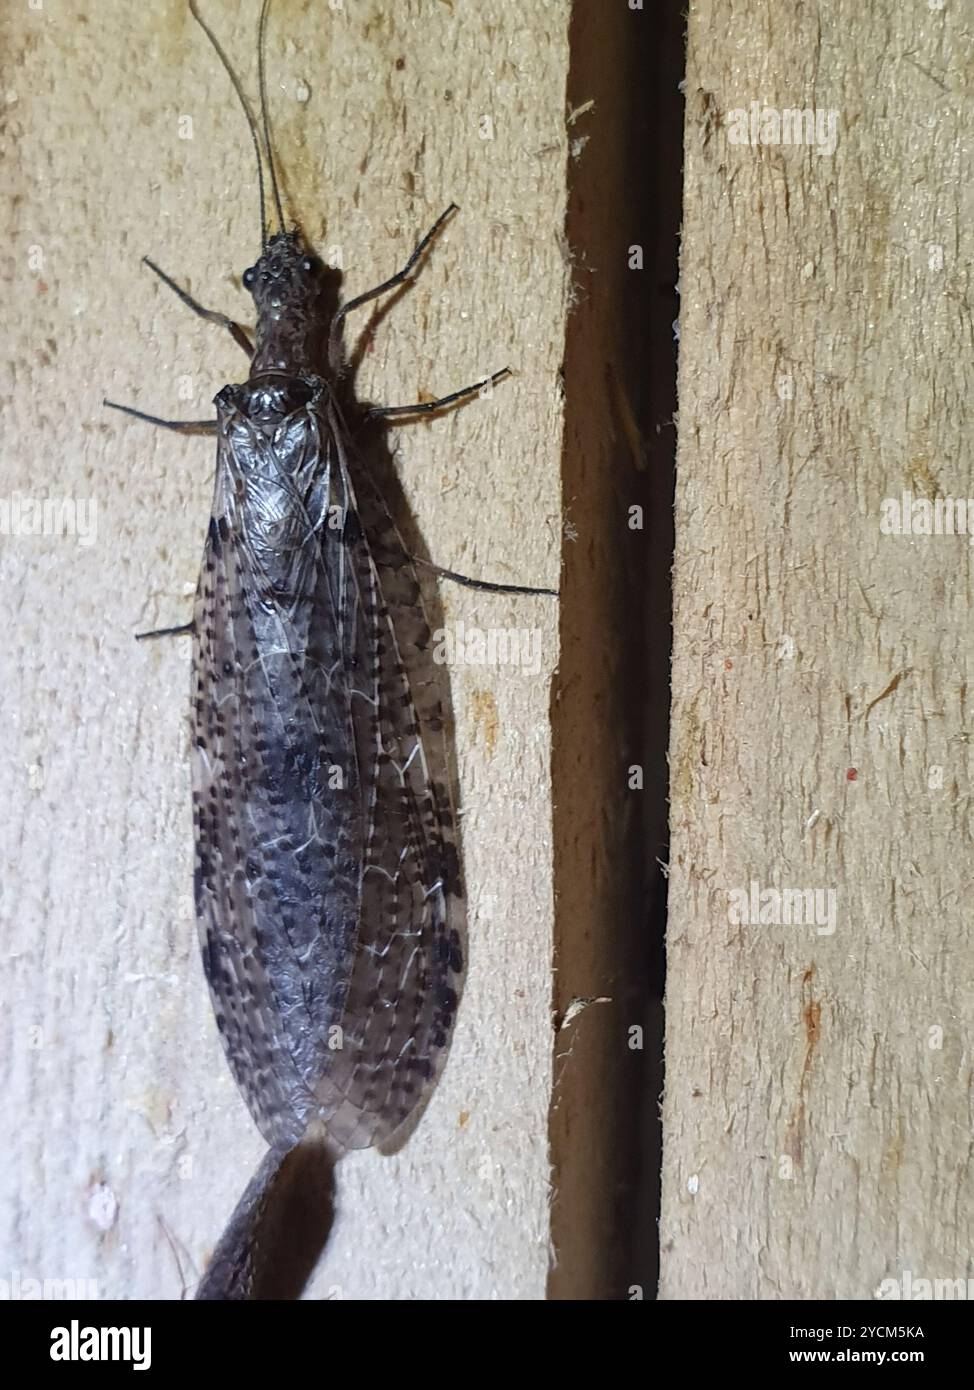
(328,881)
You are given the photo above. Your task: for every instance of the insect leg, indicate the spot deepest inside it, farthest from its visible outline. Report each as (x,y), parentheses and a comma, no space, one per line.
(238,334)
(183,426)
(337,323)
(481,583)
(486,584)
(183,630)
(383,412)
(425,408)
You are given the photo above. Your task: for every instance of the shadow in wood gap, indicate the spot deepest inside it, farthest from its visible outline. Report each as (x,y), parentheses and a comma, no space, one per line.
(610,706)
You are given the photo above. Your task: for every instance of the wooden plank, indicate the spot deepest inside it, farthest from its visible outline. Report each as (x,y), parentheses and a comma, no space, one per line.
(131,1140)
(817,1111)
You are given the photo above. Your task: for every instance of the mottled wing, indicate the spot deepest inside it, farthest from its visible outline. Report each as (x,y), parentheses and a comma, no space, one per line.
(408,961)
(325,852)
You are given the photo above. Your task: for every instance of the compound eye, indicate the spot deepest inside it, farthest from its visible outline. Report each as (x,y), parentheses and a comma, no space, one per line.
(249,276)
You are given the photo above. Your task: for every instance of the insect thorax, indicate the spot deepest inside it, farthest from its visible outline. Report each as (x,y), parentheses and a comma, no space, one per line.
(287,284)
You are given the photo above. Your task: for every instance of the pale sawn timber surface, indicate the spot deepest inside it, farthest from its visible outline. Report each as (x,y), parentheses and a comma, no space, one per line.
(817,1139)
(127,1139)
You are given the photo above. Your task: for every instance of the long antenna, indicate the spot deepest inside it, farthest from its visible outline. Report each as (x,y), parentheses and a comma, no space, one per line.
(261,31)
(238,88)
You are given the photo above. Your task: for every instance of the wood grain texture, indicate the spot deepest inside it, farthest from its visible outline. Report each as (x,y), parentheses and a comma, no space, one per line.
(818,1135)
(123,139)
